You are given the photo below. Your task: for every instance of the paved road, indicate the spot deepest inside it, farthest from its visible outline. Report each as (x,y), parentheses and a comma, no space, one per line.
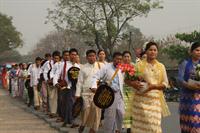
(14,119)
(171,124)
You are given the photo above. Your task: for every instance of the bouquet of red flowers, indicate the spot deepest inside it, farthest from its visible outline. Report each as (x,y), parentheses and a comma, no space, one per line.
(131,72)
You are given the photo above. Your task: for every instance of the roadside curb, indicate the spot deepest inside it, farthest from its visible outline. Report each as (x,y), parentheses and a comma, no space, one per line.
(41,115)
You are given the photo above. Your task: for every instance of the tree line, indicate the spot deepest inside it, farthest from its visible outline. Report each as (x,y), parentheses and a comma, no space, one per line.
(97,24)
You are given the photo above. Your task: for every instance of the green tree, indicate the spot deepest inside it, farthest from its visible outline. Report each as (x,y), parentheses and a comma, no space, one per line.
(189,37)
(179,50)
(10,38)
(176,52)
(102,20)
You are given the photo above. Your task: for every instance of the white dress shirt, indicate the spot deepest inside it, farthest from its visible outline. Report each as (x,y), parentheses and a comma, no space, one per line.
(55,67)
(59,72)
(34,73)
(46,68)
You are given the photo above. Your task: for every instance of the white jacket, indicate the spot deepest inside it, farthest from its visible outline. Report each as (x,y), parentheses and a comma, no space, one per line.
(85,78)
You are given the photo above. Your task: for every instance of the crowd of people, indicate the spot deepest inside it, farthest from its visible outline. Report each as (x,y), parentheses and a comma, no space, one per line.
(47,86)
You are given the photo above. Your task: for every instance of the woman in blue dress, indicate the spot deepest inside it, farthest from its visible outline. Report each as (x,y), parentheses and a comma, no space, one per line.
(190,92)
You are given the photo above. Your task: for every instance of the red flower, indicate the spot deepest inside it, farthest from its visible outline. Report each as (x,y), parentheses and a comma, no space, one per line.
(131,73)
(127,68)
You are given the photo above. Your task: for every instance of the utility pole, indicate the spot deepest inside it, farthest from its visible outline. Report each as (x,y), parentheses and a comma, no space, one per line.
(130,40)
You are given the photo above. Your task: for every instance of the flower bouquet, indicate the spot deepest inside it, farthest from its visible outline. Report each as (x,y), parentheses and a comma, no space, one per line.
(132,74)
(198,72)
(196,77)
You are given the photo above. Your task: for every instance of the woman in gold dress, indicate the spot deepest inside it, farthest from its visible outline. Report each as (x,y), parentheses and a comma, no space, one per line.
(128,96)
(148,106)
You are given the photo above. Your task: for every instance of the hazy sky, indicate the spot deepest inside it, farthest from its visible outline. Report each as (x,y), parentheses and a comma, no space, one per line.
(29,16)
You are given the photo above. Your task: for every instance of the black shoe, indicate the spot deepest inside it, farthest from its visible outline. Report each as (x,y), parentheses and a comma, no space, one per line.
(37,108)
(81,129)
(128,130)
(74,125)
(51,116)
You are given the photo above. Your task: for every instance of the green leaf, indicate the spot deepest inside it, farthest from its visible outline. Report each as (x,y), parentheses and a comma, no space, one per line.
(10,38)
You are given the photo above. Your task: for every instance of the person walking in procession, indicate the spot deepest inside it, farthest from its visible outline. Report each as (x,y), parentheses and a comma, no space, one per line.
(188,77)
(91,114)
(34,72)
(68,96)
(113,115)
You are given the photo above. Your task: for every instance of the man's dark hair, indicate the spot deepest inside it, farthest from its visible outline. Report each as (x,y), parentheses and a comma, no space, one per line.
(38,59)
(90,51)
(73,50)
(65,51)
(56,53)
(20,64)
(116,54)
(47,55)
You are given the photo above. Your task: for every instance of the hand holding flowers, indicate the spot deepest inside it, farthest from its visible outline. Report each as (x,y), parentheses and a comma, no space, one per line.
(194,83)
(133,77)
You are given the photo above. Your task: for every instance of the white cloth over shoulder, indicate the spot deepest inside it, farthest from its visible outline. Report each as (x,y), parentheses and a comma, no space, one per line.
(106,74)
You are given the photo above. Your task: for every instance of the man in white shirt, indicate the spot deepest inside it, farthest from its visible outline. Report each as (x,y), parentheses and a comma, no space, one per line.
(113,116)
(91,114)
(58,66)
(65,84)
(49,71)
(44,90)
(34,72)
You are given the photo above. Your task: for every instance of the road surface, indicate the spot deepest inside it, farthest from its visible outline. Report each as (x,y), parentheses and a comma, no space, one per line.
(15,119)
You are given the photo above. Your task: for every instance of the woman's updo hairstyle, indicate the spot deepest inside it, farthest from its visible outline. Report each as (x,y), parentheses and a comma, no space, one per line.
(149,44)
(194,46)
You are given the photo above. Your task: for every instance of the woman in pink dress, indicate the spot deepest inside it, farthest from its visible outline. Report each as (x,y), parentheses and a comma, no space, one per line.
(4,78)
